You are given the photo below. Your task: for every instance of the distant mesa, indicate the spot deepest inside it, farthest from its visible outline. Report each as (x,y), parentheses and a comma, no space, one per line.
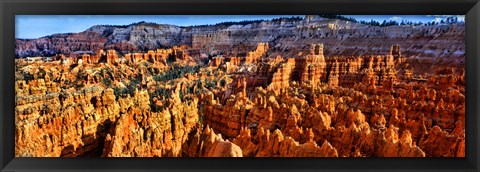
(339,35)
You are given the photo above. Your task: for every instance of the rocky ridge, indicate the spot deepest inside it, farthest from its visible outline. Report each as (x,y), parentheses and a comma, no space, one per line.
(285,37)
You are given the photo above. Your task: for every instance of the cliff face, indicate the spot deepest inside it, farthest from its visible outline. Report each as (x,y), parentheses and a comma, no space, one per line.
(97,105)
(339,37)
(63,123)
(142,133)
(134,38)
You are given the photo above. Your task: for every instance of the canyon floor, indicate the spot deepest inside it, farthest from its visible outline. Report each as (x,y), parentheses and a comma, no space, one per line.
(171,103)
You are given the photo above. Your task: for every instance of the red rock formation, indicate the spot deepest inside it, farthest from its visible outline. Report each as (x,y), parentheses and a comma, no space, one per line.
(276,145)
(216,61)
(154,105)
(281,78)
(69,132)
(235,61)
(229,118)
(440,143)
(313,65)
(110,57)
(208,144)
(158,56)
(140,132)
(253,56)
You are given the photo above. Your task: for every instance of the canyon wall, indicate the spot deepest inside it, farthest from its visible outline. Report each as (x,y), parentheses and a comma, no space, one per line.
(339,37)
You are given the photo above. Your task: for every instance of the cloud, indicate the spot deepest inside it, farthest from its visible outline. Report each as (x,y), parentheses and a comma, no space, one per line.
(460,17)
(437,19)
(444,16)
(395,18)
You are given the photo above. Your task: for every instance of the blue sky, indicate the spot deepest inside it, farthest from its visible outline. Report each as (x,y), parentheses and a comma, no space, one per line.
(35,26)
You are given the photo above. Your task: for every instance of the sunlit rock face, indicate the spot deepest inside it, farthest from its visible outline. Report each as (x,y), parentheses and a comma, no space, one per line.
(320,92)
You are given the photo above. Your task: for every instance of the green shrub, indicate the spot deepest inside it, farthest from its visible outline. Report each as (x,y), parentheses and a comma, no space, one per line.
(107,81)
